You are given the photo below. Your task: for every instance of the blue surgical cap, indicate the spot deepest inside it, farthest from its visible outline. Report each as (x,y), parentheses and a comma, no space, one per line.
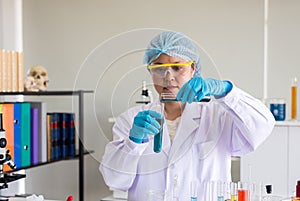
(174,44)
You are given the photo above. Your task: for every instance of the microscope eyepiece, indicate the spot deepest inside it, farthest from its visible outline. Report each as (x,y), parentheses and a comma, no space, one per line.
(3,142)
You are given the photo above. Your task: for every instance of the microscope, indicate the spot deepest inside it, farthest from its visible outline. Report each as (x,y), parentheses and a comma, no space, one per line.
(5,157)
(146,94)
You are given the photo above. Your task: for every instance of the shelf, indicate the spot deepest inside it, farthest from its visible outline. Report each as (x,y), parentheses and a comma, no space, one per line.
(288,123)
(46,93)
(81,152)
(52,161)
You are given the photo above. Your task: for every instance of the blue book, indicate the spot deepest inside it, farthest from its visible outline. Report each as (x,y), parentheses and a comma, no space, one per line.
(64,132)
(54,136)
(22,142)
(17,135)
(71,135)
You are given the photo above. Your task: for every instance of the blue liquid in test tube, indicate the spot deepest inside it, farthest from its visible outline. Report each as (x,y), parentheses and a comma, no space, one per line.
(220,198)
(158,138)
(193,189)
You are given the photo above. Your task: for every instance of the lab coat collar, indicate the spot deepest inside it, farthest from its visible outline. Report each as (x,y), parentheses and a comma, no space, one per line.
(184,138)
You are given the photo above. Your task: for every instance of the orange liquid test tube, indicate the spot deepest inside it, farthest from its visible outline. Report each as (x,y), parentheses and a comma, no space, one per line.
(294,99)
(243,195)
(243,191)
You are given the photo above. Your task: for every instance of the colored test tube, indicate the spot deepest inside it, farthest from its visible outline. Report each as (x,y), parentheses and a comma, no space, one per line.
(193,189)
(220,191)
(243,191)
(158,138)
(233,191)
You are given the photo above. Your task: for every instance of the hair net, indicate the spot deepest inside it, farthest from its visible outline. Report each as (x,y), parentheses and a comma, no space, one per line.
(174,44)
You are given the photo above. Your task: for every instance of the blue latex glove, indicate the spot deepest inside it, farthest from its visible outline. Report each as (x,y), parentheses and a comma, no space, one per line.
(145,123)
(198,87)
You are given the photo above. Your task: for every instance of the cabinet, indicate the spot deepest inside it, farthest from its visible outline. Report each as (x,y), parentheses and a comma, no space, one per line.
(80,126)
(277,160)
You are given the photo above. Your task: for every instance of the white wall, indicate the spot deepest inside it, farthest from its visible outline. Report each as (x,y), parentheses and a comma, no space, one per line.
(11,25)
(94,44)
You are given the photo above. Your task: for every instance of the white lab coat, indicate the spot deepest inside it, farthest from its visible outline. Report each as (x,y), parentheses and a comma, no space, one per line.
(206,138)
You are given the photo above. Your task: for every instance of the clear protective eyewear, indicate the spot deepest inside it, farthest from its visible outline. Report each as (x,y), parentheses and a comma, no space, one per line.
(160,70)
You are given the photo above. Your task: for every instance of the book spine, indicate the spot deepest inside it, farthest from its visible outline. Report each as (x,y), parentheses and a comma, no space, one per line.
(14,72)
(34,136)
(64,134)
(71,135)
(53,125)
(9,71)
(54,135)
(8,125)
(17,134)
(4,70)
(49,140)
(42,131)
(20,71)
(25,134)
(1,52)
(57,136)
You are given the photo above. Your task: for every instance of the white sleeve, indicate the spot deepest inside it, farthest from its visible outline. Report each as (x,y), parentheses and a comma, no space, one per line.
(252,120)
(120,160)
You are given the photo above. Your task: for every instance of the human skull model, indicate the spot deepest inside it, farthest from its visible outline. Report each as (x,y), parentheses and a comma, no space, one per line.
(40,79)
(30,84)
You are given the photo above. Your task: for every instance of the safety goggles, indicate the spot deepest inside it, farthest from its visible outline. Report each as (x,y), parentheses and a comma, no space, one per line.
(161,70)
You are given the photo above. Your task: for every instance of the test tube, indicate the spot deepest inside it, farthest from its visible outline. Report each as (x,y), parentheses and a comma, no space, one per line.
(294,99)
(169,97)
(206,190)
(158,138)
(227,195)
(193,190)
(243,191)
(233,191)
(157,144)
(220,191)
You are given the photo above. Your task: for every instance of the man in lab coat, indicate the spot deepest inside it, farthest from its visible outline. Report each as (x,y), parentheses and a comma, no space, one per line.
(197,138)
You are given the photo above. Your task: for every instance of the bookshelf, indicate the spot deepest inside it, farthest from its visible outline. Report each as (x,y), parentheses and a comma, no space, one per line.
(81,152)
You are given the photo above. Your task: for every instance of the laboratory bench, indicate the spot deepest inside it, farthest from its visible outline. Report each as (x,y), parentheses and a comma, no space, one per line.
(277,160)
